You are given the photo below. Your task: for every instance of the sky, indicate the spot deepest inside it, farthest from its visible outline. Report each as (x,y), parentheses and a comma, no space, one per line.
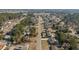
(39,4)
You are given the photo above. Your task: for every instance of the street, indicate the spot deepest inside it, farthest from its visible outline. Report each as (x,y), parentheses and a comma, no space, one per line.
(38,39)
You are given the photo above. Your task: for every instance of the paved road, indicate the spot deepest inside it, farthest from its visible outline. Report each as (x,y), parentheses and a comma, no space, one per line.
(38,47)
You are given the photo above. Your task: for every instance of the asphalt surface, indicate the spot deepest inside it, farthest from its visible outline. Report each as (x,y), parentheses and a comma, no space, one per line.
(38,47)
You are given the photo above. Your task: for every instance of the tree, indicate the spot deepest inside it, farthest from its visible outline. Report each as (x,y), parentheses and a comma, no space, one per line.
(60,36)
(73,41)
(1,37)
(33,31)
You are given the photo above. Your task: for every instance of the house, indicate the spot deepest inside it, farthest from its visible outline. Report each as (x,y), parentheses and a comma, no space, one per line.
(43,34)
(61,23)
(66,46)
(8,39)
